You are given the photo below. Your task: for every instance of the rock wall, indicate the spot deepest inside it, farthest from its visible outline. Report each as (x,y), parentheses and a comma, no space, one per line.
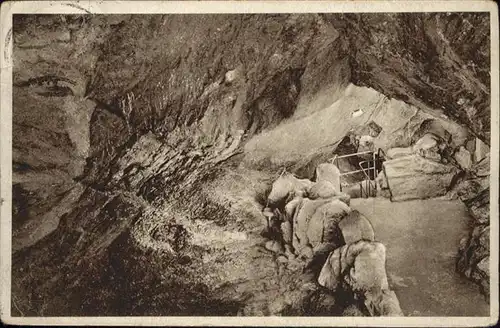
(474,250)
(422,60)
(119,79)
(116,117)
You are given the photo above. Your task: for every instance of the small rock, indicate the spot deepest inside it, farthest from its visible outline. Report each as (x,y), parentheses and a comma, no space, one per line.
(357,113)
(469,189)
(307,252)
(352,311)
(463,158)
(482,168)
(282,259)
(277,306)
(426,142)
(481,150)
(287,233)
(274,246)
(463,243)
(484,266)
(428,147)
(479,206)
(231,75)
(431,154)
(365,144)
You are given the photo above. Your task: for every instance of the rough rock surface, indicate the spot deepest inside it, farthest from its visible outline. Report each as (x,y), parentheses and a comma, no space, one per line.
(356,227)
(286,187)
(322,227)
(474,250)
(463,158)
(428,146)
(431,47)
(360,267)
(121,122)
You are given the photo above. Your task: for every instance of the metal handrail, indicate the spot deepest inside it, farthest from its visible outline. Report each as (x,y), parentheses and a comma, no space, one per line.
(379,154)
(354,154)
(374,167)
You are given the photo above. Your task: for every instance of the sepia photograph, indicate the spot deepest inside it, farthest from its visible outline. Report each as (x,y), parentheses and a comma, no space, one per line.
(249,161)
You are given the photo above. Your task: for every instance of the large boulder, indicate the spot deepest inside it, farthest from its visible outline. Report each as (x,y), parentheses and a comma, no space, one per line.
(324,190)
(314,222)
(291,207)
(383,303)
(286,187)
(321,189)
(301,221)
(323,229)
(328,172)
(428,146)
(356,227)
(360,267)
(415,177)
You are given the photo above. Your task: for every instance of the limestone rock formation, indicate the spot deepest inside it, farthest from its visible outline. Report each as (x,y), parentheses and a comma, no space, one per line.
(474,250)
(125,128)
(379,62)
(473,259)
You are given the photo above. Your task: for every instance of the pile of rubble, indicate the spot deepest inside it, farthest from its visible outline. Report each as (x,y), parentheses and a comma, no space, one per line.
(312,223)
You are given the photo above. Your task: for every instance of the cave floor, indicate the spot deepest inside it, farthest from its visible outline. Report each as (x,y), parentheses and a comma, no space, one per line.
(421,238)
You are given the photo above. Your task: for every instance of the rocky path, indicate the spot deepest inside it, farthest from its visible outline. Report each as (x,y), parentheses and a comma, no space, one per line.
(236,262)
(422,239)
